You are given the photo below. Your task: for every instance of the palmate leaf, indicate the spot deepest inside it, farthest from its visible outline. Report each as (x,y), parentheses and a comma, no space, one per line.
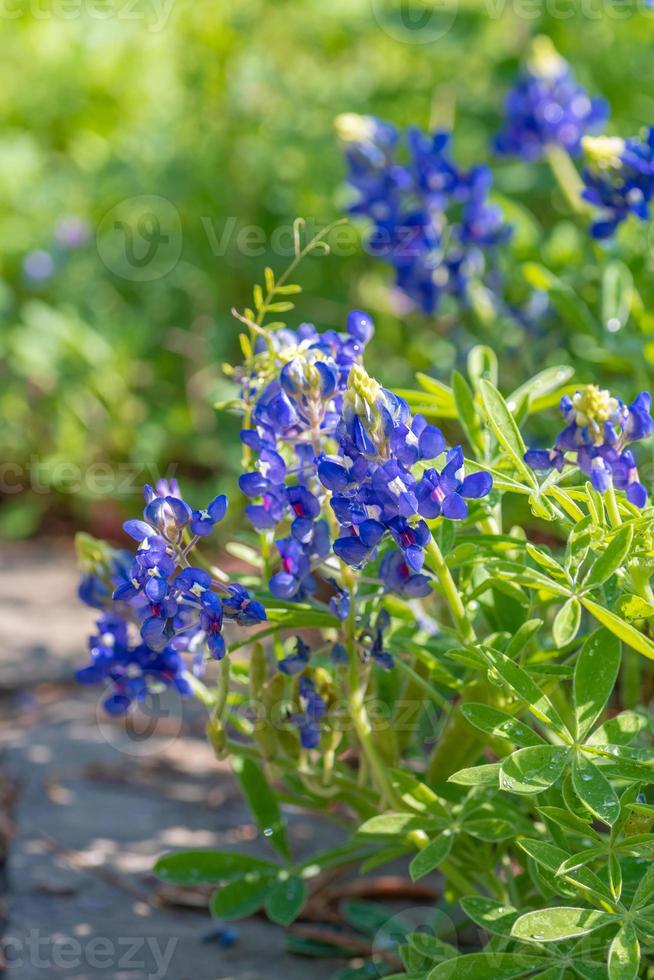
(489,914)
(594,790)
(533,769)
(528,691)
(552,857)
(506,430)
(611,559)
(595,675)
(499,724)
(286,899)
(242,897)
(487,966)
(625,631)
(194,867)
(431,856)
(555,924)
(624,954)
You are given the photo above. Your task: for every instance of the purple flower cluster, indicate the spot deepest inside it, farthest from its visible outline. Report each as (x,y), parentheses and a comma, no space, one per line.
(619,180)
(431,220)
(296,411)
(374,491)
(547,107)
(177,607)
(596,438)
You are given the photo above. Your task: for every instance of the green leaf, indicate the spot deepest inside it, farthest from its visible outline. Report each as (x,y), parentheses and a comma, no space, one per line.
(506,429)
(468,417)
(556,924)
(482,364)
(195,867)
(489,914)
(241,897)
(594,790)
(624,954)
(619,730)
(625,631)
(392,824)
(617,293)
(486,966)
(262,802)
(541,384)
(611,559)
(568,821)
(552,857)
(499,724)
(534,769)
(566,623)
(645,889)
(522,685)
(477,776)
(431,856)
(417,794)
(595,674)
(615,876)
(286,899)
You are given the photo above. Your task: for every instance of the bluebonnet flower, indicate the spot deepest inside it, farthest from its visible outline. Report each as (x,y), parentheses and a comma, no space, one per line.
(619,179)
(548,108)
(298,402)
(177,607)
(295,663)
(599,430)
(313,711)
(397,576)
(431,220)
(132,671)
(379,655)
(444,494)
(374,490)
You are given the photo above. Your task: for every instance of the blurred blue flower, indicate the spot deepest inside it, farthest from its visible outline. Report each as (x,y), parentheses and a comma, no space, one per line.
(618,179)
(547,107)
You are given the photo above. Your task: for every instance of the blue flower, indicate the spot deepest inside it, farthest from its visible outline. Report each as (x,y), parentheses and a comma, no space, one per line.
(397,576)
(204,521)
(313,711)
(547,107)
(211,621)
(619,180)
(444,494)
(599,428)
(130,671)
(295,663)
(431,220)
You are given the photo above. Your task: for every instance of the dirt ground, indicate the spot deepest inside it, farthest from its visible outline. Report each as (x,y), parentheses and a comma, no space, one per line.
(86,806)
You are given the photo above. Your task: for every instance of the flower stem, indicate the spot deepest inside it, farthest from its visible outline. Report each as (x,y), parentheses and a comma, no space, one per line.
(463,625)
(567,177)
(612,507)
(357,705)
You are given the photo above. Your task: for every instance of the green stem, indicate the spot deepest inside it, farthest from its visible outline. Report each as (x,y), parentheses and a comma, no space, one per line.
(357,705)
(612,507)
(463,625)
(567,177)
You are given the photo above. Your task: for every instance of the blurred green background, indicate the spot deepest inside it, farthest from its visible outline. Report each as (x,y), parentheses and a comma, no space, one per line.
(185,123)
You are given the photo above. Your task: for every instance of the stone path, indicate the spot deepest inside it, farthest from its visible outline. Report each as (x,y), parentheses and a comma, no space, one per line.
(92,805)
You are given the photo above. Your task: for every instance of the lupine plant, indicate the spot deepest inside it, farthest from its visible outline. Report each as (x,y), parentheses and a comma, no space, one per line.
(464,691)
(437,629)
